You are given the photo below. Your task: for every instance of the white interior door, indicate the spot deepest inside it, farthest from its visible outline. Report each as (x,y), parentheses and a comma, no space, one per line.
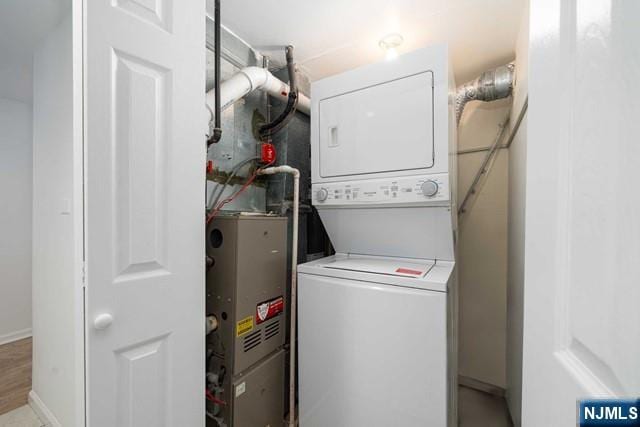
(144,68)
(582,269)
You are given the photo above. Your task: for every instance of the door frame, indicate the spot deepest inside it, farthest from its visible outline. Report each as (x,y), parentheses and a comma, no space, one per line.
(77,43)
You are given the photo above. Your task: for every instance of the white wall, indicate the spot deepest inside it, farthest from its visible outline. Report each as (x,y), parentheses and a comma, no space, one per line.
(23,24)
(517,191)
(55,351)
(15,220)
(15,77)
(483,249)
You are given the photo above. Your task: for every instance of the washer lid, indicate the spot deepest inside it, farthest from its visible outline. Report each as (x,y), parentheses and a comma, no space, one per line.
(424,274)
(383,266)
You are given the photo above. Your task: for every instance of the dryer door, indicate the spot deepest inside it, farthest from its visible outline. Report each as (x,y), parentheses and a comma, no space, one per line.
(381,128)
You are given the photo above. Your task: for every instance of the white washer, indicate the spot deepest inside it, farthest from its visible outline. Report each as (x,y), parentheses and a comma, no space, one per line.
(376,331)
(377,320)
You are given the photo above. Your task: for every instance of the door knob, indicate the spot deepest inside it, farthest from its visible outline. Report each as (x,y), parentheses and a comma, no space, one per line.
(102,321)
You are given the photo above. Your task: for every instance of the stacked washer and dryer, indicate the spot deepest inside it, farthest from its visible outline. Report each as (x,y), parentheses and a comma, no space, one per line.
(377,330)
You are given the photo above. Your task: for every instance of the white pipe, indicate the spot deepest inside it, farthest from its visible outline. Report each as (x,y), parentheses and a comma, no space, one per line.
(249,79)
(211,324)
(294,282)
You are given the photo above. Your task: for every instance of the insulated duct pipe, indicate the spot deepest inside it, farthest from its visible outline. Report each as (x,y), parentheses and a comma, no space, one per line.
(249,79)
(294,283)
(490,86)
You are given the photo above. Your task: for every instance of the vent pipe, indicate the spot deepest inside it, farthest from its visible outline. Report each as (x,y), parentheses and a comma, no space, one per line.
(246,81)
(254,78)
(489,86)
(216,133)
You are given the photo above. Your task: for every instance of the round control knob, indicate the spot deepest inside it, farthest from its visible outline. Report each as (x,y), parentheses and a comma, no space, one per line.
(322,194)
(429,188)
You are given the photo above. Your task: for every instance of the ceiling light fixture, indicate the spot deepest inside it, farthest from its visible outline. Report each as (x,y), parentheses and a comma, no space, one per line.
(389,44)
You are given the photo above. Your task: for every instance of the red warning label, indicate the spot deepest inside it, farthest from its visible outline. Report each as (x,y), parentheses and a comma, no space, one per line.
(269,309)
(409,271)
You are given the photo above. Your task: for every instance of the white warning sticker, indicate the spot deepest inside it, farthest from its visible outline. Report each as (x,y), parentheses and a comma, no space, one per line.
(241,388)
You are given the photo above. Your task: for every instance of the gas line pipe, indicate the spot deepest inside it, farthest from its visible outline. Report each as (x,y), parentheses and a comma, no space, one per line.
(294,283)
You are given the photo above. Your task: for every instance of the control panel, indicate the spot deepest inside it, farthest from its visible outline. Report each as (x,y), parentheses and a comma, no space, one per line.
(422,189)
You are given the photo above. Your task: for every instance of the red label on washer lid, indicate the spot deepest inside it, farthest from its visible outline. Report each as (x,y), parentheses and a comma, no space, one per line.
(409,271)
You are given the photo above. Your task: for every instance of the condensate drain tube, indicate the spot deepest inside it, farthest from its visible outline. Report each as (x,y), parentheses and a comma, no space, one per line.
(294,283)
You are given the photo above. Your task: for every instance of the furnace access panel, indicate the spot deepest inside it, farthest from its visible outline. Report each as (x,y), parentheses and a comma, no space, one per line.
(246,291)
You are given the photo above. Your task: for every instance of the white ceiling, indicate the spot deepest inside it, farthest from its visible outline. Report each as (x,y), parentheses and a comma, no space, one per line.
(23,24)
(331,36)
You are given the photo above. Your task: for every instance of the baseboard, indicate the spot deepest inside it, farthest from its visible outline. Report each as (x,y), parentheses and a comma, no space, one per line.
(481,386)
(15,336)
(41,410)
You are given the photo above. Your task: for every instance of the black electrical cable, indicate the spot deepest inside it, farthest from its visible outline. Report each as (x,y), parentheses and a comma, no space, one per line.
(269,129)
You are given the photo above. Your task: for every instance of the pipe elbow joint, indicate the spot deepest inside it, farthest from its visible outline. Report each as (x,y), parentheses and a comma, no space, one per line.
(256,76)
(216,136)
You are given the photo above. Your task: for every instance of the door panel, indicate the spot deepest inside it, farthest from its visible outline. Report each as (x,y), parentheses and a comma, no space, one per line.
(144,71)
(140,147)
(603,272)
(371,130)
(582,325)
(143,397)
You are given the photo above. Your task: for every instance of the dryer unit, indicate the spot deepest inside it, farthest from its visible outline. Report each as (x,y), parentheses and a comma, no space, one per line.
(383,181)
(383,143)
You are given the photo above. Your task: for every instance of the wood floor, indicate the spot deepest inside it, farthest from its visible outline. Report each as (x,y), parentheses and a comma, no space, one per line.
(15,374)
(476,409)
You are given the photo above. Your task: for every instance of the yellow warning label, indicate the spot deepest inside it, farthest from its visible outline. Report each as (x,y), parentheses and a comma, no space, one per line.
(245,325)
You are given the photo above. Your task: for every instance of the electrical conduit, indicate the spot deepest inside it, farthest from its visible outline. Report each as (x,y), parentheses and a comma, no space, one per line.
(294,282)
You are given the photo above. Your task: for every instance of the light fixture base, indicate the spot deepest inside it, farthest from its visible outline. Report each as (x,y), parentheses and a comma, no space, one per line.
(389,44)
(391,41)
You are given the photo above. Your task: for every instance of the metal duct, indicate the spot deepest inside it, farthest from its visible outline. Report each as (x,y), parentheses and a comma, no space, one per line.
(489,86)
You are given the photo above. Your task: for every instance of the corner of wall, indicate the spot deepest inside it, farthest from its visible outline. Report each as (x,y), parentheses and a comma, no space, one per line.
(15,227)
(517,191)
(54,266)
